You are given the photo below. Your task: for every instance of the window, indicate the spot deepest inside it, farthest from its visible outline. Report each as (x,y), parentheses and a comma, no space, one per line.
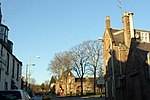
(144,36)
(6,35)
(17,72)
(7,71)
(6,85)
(10,95)
(13,68)
(0,74)
(1,30)
(2,51)
(2,33)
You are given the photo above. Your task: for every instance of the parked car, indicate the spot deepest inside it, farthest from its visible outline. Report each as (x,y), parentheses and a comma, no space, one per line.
(46,96)
(14,95)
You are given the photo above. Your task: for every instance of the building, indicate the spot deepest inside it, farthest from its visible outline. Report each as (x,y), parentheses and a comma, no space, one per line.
(10,66)
(68,84)
(126,61)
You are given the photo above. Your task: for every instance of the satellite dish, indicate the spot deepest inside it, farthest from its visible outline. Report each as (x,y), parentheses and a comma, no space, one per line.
(137,36)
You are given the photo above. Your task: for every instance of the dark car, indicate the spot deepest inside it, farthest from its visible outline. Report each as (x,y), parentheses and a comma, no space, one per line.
(46,96)
(14,95)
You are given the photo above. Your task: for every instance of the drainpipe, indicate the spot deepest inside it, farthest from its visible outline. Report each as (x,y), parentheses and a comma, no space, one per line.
(148,58)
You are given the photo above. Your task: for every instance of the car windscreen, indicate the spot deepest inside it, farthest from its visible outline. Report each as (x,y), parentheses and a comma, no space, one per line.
(10,95)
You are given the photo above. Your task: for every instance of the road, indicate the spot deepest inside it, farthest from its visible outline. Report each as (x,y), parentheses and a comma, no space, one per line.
(94,97)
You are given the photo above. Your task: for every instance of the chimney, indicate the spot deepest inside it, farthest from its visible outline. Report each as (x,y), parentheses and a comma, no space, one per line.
(126,25)
(131,24)
(107,22)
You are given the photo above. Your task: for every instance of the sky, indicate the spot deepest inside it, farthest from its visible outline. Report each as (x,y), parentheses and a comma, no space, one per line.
(46,27)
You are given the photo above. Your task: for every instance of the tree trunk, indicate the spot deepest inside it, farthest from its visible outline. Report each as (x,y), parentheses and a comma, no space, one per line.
(94,80)
(81,86)
(66,85)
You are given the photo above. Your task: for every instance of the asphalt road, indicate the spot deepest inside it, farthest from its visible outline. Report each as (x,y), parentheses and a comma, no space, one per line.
(91,97)
(94,97)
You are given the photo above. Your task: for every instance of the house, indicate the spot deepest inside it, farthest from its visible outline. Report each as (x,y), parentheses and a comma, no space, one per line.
(68,84)
(126,61)
(10,66)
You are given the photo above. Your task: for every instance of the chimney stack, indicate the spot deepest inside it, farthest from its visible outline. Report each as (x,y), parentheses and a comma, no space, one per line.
(131,24)
(107,22)
(126,24)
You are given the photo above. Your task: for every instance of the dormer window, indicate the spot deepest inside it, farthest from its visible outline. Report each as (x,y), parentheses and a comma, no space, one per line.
(144,36)
(2,33)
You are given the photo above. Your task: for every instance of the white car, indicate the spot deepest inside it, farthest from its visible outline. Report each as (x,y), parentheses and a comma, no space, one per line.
(14,95)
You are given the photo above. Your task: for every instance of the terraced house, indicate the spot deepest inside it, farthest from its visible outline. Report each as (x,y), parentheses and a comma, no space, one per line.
(126,61)
(10,66)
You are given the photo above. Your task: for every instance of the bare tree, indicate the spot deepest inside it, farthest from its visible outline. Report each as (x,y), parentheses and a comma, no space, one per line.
(84,58)
(94,54)
(80,61)
(55,65)
(60,61)
(61,65)
(67,66)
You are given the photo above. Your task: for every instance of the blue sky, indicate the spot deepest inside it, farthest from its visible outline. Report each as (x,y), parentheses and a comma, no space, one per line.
(45,27)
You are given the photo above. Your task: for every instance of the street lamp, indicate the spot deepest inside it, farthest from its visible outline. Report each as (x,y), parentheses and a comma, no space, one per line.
(112,65)
(28,69)
(27,75)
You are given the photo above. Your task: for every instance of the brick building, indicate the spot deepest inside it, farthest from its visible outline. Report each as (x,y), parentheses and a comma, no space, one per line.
(126,61)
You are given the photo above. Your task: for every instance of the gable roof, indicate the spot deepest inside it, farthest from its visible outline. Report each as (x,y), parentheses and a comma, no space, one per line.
(118,36)
(67,72)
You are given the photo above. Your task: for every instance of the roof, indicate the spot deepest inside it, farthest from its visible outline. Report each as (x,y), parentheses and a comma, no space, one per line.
(117,35)
(67,72)
(143,49)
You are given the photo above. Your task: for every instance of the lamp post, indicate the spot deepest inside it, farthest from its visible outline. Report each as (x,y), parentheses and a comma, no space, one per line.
(28,74)
(112,65)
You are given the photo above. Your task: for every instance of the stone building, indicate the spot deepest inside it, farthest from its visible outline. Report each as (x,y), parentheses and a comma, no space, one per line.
(68,84)
(126,61)
(10,66)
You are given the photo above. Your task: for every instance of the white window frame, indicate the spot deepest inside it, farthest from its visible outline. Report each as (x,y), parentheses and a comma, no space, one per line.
(144,36)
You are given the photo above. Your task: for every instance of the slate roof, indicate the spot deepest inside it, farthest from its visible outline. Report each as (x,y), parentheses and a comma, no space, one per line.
(117,35)
(143,49)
